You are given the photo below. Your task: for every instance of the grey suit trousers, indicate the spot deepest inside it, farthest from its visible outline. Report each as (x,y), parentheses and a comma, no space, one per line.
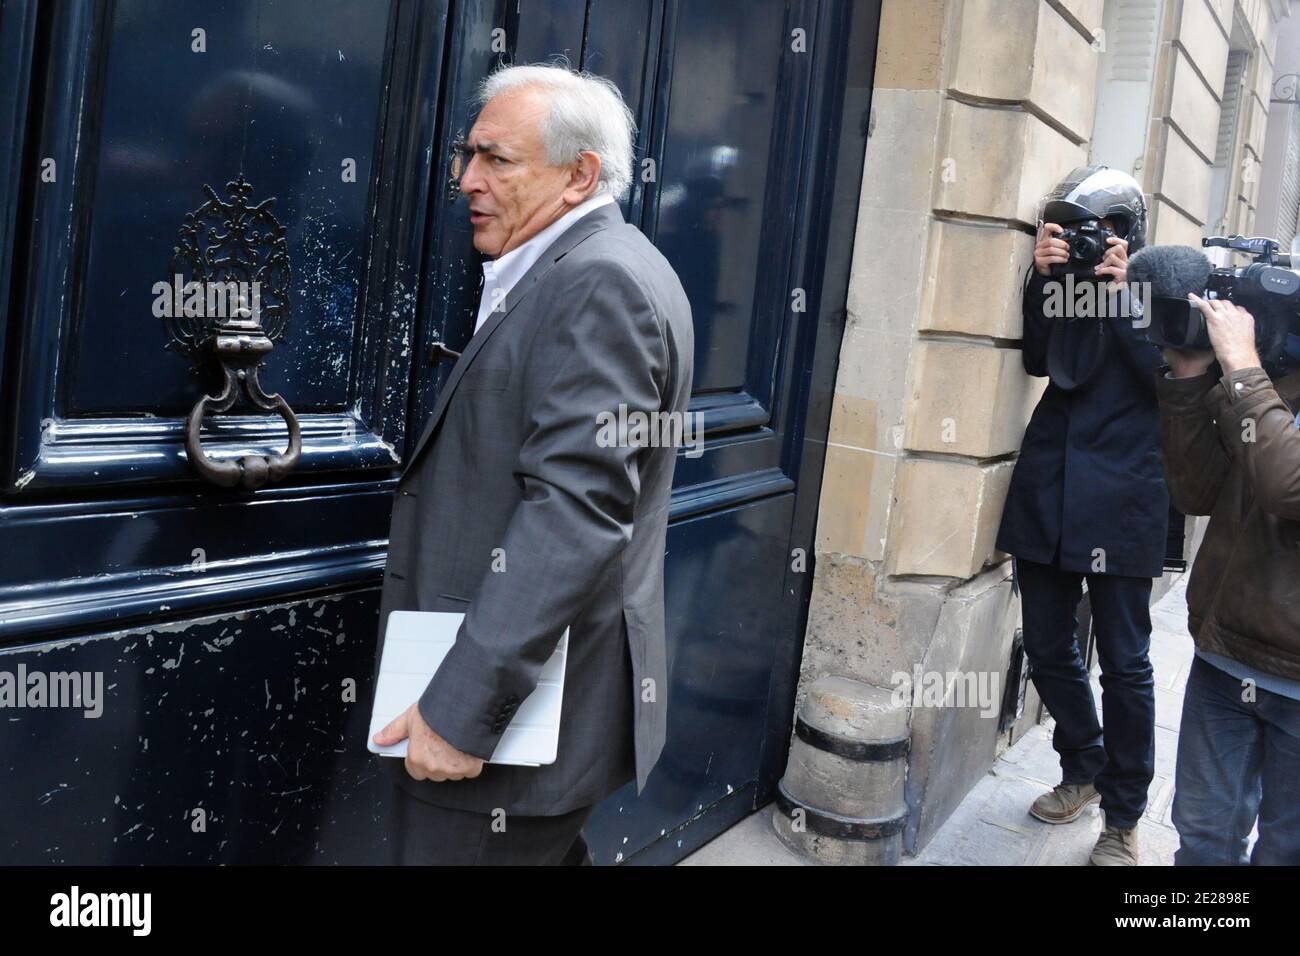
(425,834)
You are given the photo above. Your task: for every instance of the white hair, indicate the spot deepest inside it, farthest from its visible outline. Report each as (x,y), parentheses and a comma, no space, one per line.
(587,113)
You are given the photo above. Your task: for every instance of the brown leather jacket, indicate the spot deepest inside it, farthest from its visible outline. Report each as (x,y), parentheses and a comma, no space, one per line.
(1232,451)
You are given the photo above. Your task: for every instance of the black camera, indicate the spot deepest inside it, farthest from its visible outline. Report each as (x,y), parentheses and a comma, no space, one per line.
(1087,247)
(1265,288)
(1080,203)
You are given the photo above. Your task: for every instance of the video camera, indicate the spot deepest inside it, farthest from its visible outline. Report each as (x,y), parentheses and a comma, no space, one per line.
(1267,288)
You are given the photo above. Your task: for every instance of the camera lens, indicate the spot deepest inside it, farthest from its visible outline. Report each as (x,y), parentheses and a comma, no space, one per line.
(1085,248)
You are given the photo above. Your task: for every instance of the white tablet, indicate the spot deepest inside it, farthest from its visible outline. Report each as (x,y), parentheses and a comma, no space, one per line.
(416,643)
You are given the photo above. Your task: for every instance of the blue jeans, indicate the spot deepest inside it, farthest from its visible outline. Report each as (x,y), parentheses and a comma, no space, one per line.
(1238,760)
(1120,762)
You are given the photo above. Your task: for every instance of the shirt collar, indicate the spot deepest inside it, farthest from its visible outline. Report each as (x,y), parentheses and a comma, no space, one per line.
(508,269)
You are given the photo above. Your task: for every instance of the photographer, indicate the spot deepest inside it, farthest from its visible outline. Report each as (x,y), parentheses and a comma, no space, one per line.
(1088,500)
(1232,451)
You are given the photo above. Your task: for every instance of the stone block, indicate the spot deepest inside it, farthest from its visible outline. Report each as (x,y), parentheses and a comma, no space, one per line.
(1222,10)
(1029,156)
(1185,176)
(1261,75)
(1086,15)
(1192,107)
(954,744)
(900,155)
(855,495)
(966,399)
(1170,227)
(1256,128)
(1044,60)
(910,45)
(1204,42)
(946,515)
(973,279)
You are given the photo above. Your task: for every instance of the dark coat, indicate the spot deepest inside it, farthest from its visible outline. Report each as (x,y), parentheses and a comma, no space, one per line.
(1089,475)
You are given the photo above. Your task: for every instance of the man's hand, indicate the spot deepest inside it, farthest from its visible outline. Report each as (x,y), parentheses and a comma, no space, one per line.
(1115,262)
(1232,333)
(1049,249)
(428,756)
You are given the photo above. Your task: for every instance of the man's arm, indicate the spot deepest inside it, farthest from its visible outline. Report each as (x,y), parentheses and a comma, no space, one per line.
(1258,425)
(1253,420)
(579,495)
(1196,462)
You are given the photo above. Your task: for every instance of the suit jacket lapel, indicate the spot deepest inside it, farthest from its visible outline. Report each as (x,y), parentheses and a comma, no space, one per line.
(598,219)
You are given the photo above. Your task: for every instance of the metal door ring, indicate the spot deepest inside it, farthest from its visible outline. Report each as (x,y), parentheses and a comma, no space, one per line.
(250,471)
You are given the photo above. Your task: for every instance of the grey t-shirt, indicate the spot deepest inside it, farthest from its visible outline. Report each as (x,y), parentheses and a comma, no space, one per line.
(1269,682)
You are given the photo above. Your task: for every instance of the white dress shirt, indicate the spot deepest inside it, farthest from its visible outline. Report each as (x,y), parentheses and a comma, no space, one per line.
(501,274)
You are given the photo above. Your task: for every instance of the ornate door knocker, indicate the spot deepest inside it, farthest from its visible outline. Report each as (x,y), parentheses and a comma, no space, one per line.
(227,318)
(460,157)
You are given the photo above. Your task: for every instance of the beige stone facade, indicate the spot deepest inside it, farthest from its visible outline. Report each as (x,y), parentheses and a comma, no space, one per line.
(980,106)
(1186,129)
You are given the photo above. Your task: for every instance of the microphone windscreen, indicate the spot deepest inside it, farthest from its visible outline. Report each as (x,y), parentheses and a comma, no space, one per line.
(1171,270)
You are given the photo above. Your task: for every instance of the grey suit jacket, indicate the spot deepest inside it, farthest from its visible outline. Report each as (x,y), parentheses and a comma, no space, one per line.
(513,510)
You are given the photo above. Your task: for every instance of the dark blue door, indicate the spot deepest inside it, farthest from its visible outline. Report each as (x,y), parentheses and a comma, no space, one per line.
(231,630)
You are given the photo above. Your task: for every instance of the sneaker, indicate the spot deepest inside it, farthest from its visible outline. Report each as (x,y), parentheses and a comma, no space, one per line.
(1117,846)
(1065,802)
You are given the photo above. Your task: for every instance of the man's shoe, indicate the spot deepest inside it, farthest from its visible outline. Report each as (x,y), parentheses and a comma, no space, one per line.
(1117,846)
(1065,802)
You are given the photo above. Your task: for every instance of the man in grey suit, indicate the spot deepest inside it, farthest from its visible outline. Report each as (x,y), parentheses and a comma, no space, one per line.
(518,509)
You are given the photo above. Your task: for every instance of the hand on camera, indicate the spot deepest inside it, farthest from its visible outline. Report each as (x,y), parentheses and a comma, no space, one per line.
(1049,250)
(1232,333)
(1115,262)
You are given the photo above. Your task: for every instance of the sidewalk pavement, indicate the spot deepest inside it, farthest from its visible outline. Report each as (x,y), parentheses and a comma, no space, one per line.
(992,826)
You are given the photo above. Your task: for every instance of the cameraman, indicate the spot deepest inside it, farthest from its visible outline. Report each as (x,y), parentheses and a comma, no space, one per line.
(1088,500)
(1232,451)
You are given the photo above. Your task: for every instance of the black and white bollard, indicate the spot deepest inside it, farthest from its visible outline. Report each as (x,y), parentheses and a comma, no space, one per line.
(841,800)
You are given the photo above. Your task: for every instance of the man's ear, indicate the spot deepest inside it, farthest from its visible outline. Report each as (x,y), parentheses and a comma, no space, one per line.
(584,176)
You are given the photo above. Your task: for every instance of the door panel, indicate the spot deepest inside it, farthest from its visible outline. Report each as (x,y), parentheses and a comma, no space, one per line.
(136,128)
(227,739)
(252,104)
(101,507)
(712,197)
